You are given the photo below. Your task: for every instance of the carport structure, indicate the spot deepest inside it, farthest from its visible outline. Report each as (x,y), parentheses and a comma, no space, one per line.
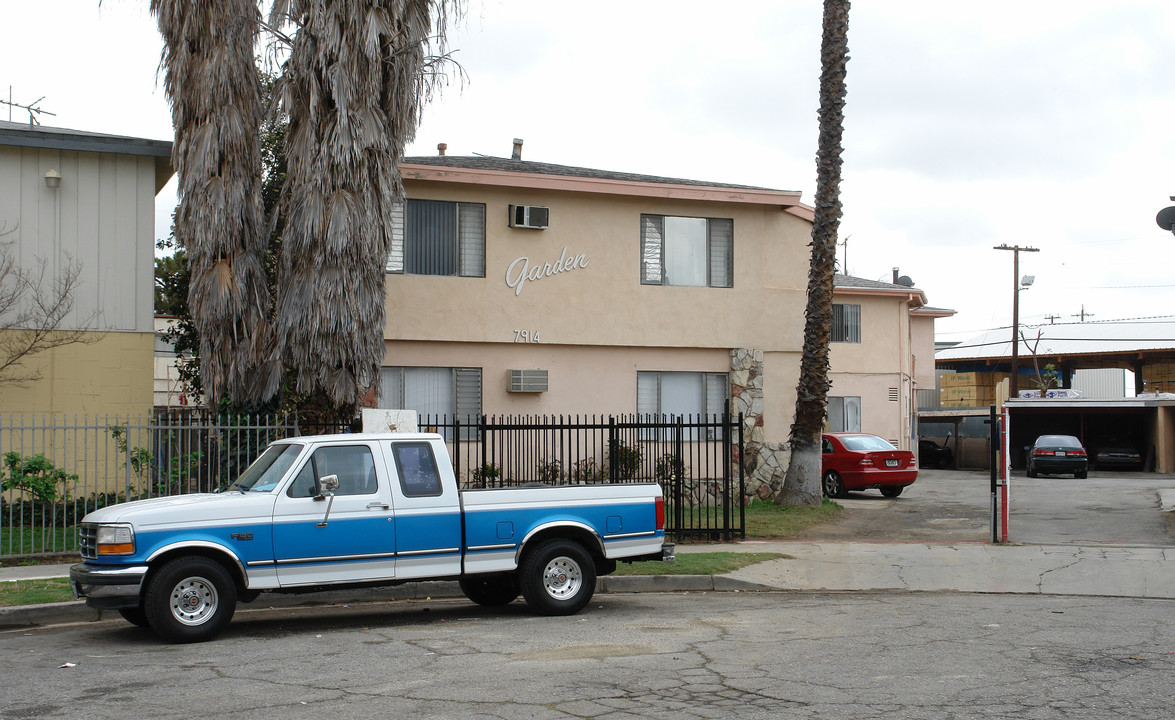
(1146,346)
(1147,423)
(1137,345)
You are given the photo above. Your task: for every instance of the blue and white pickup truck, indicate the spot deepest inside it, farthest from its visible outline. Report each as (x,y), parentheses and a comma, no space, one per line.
(320,513)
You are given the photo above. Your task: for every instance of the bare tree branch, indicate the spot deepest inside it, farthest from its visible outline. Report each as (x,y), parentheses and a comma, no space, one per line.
(33,309)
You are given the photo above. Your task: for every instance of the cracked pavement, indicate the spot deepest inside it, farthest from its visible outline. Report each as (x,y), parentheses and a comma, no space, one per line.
(663,655)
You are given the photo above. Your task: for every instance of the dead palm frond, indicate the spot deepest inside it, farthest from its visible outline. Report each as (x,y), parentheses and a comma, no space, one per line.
(352,89)
(211,80)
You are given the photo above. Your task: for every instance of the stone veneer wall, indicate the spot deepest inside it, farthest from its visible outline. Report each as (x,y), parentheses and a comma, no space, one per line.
(765,463)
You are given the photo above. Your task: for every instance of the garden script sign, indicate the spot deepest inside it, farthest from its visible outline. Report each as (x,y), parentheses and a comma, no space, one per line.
(521,271)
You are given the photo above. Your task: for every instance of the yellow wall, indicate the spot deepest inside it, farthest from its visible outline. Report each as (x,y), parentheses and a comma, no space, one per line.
(113,375)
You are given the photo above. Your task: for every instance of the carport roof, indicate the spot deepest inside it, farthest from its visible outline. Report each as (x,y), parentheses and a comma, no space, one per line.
(1153,337)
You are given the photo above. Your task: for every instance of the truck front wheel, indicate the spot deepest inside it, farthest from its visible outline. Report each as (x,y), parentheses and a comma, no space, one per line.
(558,577)
(190,599)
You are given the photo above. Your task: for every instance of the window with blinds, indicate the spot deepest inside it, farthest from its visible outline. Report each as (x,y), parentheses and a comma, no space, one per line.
(439,395)
(433,237)
(844,414)
(846,323)
(685,251)
(686,394)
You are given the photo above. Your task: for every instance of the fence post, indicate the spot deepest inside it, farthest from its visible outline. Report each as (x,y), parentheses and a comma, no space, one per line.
(742,488)
(678,471)
(457,447)
(612,445)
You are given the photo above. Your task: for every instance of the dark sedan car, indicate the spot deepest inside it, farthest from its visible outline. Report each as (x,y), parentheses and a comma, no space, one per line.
(857,461)
(1053,454)
(1116,454)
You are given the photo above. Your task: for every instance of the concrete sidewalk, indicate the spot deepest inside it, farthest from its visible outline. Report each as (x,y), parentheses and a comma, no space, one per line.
(1117,571)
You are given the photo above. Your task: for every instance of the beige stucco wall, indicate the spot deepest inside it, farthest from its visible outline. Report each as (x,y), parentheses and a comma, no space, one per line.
(881,361)
(604,302)
(582,380)
(922,345)
(112,376)
(598,326)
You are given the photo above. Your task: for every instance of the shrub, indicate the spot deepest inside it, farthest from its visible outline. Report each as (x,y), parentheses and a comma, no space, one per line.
(485,475)
(627,461)
(668,468)
(37,476)
(550,472)
(586,471)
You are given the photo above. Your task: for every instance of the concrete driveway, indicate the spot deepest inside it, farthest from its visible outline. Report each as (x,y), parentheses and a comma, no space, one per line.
(1108,508)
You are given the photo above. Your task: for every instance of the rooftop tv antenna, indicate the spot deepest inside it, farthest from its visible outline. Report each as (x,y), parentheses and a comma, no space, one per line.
(31,108)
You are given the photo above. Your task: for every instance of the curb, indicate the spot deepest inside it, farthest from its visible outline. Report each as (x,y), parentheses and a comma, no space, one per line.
(24,617)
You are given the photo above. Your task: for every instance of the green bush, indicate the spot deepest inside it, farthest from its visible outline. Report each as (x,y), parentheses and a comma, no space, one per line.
(668,468)
(485,475)
(550,472)
(37,476)
(586,471)
(627,461)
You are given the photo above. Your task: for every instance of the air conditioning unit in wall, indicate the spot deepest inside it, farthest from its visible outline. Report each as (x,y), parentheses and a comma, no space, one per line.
(534,217)
(527,381)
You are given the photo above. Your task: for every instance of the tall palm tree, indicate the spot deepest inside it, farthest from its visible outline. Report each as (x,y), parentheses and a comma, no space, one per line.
(801,485)
(211,81)
(352,89)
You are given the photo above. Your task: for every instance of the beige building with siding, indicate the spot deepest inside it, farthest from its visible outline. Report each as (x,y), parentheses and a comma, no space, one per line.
(101,216)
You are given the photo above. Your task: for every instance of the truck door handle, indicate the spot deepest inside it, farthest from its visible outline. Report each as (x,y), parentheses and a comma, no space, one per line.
(378,505)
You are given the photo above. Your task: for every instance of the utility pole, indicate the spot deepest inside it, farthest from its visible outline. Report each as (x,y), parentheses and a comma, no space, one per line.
(1052,319)
(1083,314)
(1016,250)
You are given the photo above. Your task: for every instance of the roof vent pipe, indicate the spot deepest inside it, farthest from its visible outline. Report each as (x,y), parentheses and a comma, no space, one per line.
(441,148)
(517,154)
(895,276)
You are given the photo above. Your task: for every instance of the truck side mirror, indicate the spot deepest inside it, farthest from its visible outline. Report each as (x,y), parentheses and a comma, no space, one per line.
(328,483)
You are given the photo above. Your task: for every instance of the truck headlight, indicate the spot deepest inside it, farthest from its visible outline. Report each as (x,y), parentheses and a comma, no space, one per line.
(115,540)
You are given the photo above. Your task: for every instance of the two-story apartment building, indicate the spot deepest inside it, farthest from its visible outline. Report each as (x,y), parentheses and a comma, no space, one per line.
(882,353)
(518,287)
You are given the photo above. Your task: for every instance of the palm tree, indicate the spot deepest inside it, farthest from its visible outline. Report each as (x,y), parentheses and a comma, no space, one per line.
(801,485)
(352,88)
(211,81)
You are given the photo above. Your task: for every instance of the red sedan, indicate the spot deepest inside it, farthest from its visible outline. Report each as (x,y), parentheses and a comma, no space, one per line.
(857,461)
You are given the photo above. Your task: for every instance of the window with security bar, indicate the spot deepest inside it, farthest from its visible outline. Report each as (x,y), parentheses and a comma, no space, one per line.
(433,237)
(687,251)
(846,323)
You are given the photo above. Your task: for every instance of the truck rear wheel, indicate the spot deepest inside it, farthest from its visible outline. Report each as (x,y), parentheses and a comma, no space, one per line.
(190,599)
(490,590)
(557,577)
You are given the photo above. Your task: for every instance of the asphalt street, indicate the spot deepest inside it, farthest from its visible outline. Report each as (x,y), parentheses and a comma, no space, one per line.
(655,655)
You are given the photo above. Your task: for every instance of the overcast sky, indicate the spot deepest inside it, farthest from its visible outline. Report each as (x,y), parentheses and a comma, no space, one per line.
(1045,124)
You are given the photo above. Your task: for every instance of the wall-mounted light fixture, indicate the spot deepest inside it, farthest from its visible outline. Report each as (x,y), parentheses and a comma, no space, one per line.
(53,179)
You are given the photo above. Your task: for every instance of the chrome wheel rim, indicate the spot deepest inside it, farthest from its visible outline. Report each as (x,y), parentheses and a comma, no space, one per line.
(562,578)
(193,601)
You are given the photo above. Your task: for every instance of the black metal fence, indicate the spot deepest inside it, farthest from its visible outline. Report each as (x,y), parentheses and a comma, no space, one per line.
(691,457)
(53,470)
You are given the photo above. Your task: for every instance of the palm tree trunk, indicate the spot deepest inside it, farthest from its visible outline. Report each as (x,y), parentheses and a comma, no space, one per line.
(211,79)
(801,484)
(352,89)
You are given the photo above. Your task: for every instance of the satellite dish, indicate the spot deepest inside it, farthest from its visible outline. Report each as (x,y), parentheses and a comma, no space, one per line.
(905,280)
(1166,219)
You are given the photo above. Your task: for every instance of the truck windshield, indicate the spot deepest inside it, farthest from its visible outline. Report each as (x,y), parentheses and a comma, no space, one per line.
(268,470)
